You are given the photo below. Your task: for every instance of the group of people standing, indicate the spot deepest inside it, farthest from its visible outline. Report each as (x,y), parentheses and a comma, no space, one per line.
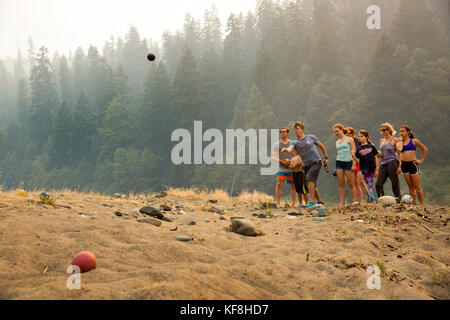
(358,162)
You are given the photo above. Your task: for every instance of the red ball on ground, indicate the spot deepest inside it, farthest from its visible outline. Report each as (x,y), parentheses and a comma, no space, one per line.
(85,260)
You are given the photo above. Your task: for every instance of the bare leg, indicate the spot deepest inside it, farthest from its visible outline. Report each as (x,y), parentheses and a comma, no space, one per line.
(299,195)
(362,183)
(416,184)
(412,190)
(356,186)
(305,196)
(317,195)
(341,183)
(293,195)
(351,186)
(312,188)
(278,192)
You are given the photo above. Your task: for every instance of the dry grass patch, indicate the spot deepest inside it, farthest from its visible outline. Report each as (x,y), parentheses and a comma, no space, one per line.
(219,195)
(254,197)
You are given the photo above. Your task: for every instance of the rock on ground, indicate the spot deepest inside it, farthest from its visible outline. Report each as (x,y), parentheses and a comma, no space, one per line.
(243,227)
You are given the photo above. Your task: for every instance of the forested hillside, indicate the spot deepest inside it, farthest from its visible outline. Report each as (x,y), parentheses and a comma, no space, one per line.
(103,119)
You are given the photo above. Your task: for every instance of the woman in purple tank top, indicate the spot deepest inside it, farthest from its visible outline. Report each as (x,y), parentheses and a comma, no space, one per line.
(389,166)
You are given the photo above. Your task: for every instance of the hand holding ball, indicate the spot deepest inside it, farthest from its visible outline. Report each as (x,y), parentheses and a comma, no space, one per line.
(151,57)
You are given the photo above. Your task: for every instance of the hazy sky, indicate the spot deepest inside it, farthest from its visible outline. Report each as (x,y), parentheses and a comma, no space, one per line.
(64,25)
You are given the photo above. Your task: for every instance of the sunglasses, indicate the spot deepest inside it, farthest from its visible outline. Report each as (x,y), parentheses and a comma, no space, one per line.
(284,131)
(382,130)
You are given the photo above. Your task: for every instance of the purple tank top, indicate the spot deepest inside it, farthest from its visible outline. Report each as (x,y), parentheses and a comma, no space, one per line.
(389,152)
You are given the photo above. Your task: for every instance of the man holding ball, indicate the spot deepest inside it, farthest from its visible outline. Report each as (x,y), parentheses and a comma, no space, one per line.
(305,145)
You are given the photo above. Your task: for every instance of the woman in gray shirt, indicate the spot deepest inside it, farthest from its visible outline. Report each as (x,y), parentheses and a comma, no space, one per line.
(389,166)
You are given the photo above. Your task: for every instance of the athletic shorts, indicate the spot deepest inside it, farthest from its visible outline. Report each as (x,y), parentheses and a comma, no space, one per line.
(343,165)
(300,183)
(312,171)
(285,176)
(357,167)
(410,167)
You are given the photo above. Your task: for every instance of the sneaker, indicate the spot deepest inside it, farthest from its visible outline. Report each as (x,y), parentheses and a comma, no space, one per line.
(321,202)
(356,203)
(311,204)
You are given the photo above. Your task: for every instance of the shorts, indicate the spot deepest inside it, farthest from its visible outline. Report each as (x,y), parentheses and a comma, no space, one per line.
(312,171)
(357,167)
(300,183)
(285,176)
(343,165)
(410,167)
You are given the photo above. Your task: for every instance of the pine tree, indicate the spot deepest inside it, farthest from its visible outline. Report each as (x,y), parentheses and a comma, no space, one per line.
(156,120)
(211,32)
(118,129)
(65,81)
(266,73)
(82,130)
(249,45)
(212,89)
(80,76)
(327,52)
(60,140)
(192,35)
(172,46)
(297,48)
(133,60)
(380,90)
(253,111)
(31,55)
(99,91)
(23,109)
(119,85)
(6,93)
(188,99)
(19,69)
(43,99)
(416,27)
(233,60)
(55,63)
(259,114)
(109,52)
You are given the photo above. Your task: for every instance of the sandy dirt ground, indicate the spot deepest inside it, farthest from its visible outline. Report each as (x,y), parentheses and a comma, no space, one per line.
(295,257)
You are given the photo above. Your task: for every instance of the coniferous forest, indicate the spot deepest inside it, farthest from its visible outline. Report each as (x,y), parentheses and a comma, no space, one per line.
(102,119)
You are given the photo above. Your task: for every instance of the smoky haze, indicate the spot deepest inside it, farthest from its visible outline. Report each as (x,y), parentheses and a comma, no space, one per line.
(64,25)
(102,118)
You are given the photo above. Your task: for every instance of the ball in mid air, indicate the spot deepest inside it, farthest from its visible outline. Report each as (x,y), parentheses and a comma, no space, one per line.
(85,260)
(151,57)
